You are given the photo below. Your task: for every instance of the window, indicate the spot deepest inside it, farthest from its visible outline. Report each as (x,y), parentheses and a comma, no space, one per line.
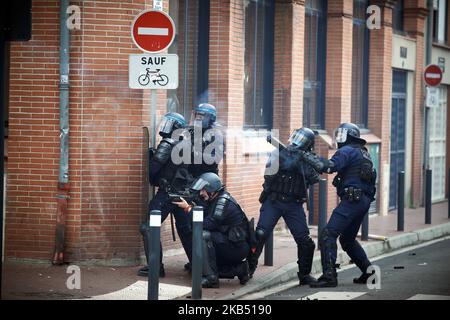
(191,18)
(440,21)
(258,59)
(360,64)
(314,64)
(397,17)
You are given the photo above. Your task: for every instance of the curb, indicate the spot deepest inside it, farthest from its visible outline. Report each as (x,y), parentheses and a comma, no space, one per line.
(288,272)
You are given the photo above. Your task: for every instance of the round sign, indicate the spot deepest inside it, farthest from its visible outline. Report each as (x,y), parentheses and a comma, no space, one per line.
(432,75)
(153,31)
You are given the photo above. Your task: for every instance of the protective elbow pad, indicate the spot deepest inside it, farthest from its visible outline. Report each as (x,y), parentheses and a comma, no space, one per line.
(164,150)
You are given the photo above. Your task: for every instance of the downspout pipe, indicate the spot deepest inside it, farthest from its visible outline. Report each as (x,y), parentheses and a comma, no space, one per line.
(63,177)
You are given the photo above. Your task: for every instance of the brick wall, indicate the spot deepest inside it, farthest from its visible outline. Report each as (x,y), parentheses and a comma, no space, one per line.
(105,160)
(33,144)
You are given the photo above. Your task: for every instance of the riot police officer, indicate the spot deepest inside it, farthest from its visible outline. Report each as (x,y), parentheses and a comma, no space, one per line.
(168,177)
(225,232)
(355,184)
(207,140)
(283,196)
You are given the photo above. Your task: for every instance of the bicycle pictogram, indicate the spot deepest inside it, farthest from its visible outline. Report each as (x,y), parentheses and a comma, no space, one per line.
(155,76)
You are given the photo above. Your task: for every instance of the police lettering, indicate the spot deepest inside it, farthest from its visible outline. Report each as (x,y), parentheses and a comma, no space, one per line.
(153,60)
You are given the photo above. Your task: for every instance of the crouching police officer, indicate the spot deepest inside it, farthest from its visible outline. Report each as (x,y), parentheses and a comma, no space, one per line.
(225,232)
(355,184)
(169,177)
(283,196)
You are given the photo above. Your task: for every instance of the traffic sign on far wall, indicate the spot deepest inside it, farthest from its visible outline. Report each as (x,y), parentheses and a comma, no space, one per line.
(153,31)
(432,75)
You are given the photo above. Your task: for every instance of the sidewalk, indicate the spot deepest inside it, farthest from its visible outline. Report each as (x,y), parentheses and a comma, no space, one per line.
(34,281)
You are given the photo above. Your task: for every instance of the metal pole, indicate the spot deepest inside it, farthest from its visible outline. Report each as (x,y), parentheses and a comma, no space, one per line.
(365,228)
(322,207)
(448,193)
(197,252)
(401,202)
(154,264)
(428,47)
(428,197)
(311,205)
(268,251)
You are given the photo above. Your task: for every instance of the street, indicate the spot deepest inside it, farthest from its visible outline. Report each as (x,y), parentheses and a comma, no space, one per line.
(419,273)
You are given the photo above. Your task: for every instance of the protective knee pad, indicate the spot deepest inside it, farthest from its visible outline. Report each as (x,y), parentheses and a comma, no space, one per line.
(144,228)
(206,235)
(261,235)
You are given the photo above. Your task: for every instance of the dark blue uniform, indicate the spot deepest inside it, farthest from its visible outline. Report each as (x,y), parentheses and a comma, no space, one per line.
(225,241)
(171,178)
(283,196)
(356,190)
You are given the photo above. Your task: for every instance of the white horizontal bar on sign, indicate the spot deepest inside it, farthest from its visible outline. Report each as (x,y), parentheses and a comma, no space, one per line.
(433,75)
(153,31)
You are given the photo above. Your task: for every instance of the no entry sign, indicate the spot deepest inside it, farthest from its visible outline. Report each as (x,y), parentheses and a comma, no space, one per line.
(432,75)
(153,31)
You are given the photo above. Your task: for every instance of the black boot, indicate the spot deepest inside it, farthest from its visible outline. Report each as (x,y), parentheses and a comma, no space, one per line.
(305,254)
(327,280)
(305,279)
(243,273)
(252,263)
(188,267)
(328,249)
(210,277)
(363,277)
(255,252)
(210,281)
(143,272)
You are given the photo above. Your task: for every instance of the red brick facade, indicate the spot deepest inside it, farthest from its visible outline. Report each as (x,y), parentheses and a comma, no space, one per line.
(106,117)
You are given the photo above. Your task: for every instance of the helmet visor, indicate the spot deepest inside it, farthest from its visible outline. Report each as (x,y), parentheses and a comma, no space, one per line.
(199,119)
(340,135)
(167,125)
(299,139)
(199,184)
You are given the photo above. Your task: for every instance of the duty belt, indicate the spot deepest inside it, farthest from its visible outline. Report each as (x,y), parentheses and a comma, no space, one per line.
(352,194)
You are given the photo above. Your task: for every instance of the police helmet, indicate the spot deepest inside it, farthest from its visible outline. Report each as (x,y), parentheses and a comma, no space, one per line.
(302,138)
(204,115)
(208,181)
(348,133)
(170,122)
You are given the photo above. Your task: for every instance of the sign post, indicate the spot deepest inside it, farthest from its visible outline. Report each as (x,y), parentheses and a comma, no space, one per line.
(153,31)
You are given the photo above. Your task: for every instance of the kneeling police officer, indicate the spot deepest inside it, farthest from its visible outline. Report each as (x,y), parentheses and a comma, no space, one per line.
(355,184)
(225,232)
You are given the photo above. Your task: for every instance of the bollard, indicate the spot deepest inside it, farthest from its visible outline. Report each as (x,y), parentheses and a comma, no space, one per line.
(428,196)
(365,228)
(401,202)
(153,245)
(311,205)
(197,252)
(268,251)
(322,207)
